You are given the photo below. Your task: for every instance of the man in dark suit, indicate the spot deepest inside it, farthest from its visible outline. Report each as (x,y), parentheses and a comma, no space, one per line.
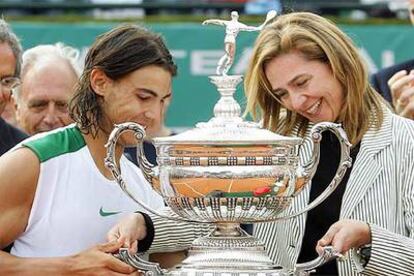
(10,57)
(396,83)
(380,79)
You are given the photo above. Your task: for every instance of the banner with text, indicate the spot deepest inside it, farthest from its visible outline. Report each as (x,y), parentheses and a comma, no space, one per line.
(197,49)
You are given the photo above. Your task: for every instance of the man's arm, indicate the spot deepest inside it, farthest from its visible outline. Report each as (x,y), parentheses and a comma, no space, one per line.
(19,172)
(94,261)
(11,265)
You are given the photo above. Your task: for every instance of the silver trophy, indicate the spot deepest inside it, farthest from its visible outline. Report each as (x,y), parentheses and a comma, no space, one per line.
(225,172)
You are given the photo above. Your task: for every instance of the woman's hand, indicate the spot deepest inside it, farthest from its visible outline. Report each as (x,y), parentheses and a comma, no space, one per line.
(130,230)
(344,235)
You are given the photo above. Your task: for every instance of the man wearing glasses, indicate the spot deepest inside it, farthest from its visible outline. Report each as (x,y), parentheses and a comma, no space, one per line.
(10,56)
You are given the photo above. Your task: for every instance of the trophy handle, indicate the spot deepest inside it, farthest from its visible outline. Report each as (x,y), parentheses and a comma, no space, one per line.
(145,267)
(149,170)
(328,254)
(309,169)
(146,167)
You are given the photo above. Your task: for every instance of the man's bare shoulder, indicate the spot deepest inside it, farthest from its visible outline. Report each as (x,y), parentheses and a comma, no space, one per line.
(12,157)
(19,172)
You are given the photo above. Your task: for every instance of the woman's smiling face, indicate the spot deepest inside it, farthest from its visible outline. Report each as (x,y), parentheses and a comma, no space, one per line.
(306,87)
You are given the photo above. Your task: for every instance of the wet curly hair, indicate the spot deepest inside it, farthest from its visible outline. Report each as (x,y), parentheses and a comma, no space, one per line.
(117,53)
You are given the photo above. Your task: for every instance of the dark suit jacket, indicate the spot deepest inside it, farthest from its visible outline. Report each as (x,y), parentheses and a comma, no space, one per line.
(379,80)
(149,151)
(9,136)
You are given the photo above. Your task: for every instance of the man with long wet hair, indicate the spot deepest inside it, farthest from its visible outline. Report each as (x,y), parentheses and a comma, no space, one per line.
(64,200)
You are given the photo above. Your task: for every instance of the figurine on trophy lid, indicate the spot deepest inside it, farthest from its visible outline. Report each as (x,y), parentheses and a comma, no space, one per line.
(225,172)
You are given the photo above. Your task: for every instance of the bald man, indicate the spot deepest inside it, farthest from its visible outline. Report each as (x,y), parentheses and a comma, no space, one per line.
(49,75)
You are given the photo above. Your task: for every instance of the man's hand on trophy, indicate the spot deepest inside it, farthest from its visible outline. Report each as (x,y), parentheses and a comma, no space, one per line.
(402,91)
(344,235)
(129,229)
(97,261)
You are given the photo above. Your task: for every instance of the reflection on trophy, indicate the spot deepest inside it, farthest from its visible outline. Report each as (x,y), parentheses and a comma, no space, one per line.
(225,172)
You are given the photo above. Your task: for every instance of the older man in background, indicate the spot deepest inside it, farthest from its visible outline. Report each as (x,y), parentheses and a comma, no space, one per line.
(396,83)
(49,75)
(10,65)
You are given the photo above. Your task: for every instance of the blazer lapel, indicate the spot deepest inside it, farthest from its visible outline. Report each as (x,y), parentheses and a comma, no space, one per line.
(366,168)
(365,171)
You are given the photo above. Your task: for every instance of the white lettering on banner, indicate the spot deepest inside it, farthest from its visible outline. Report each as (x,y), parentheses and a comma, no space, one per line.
(179,53)
(204,62)
(372,68)
(387,58)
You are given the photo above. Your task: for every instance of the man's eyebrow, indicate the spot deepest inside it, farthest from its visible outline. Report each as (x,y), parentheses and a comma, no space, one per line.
(37,102)
(153,93)
(167,96)
(149,91)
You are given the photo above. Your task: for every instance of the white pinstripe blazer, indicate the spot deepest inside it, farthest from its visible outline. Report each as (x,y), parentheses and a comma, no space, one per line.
(380,190)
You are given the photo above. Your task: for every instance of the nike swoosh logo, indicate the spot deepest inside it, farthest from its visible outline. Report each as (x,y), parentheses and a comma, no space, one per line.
(106,214)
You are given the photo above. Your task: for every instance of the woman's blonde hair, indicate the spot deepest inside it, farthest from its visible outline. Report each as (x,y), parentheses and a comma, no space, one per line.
(316,38)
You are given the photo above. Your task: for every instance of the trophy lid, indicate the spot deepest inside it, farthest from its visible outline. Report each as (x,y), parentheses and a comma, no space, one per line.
(243,133)
(227,127)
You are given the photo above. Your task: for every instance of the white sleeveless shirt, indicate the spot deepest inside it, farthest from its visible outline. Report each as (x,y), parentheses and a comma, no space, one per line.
(75,205)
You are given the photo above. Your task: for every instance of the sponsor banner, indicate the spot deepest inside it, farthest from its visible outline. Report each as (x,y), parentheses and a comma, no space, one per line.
(197,49)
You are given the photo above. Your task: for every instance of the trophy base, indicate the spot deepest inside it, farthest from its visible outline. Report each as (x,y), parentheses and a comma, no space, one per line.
(227,251)
(228,246)
(196,272)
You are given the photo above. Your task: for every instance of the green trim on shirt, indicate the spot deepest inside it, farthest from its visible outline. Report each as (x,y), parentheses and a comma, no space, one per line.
(56,143)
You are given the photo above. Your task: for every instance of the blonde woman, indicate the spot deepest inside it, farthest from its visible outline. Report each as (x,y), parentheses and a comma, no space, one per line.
(305,70)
